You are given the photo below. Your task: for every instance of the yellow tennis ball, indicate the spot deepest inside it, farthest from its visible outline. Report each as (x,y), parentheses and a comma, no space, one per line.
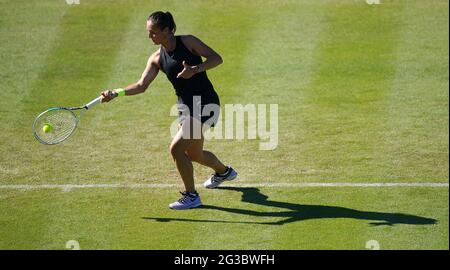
(47,128)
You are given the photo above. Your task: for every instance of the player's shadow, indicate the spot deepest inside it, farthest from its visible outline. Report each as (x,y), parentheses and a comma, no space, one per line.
(300,212)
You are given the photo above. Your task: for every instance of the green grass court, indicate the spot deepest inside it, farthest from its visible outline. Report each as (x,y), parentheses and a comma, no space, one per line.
(362,94)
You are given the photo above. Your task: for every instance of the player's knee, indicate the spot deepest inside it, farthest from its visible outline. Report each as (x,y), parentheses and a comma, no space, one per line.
(176,149)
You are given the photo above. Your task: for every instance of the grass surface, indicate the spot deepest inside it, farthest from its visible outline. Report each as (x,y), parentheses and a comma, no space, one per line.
(362,92)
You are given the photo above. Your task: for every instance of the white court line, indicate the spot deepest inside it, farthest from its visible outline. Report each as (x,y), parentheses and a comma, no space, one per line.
(68,187)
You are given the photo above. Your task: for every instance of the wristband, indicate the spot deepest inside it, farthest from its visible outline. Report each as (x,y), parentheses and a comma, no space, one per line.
(120,92)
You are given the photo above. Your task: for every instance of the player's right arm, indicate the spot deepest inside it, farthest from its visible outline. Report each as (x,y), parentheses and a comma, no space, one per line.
(149,74)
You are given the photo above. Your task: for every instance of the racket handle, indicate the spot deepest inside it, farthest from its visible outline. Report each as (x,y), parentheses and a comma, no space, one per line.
(93,102)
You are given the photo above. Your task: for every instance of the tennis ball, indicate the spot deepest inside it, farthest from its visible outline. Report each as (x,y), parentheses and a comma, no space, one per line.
(47,128)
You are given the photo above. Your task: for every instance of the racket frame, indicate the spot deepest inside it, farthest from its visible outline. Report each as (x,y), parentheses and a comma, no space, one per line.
(69,109)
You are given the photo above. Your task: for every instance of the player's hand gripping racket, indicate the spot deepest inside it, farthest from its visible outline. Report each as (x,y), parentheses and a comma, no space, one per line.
(57,124)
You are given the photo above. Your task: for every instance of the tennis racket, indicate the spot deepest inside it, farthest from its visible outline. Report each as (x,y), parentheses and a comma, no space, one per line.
(57,124)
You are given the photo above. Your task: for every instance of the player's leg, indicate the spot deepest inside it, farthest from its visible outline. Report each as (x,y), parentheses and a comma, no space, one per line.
(190,197)
(178,147)
(196,153)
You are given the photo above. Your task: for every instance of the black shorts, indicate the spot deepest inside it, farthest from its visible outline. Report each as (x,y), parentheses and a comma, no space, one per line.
(205,108)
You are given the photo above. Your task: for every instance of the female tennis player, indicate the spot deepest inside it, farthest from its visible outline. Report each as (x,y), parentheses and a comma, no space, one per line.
(180,58)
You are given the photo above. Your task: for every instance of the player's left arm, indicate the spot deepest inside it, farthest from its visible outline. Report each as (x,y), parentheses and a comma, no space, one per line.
(197,47)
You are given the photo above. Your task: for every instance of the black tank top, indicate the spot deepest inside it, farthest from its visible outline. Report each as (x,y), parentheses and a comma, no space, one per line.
(171,64)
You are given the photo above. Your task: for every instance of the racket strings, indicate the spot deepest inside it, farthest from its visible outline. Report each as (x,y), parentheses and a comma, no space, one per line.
(61,124)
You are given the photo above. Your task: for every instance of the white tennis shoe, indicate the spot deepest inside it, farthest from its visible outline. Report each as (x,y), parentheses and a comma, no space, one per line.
(187,201)
(216,179)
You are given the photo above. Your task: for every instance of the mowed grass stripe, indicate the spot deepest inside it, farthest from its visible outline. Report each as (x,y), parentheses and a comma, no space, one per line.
(279,66)
(28,30)
(78,66)
(346,101)
(26,39)
(231,35)
(415,136)
(26,36)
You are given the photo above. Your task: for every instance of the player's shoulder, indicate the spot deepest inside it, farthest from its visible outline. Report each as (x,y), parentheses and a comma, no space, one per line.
(191,42)
(156,53)
(154,57)
(188,38)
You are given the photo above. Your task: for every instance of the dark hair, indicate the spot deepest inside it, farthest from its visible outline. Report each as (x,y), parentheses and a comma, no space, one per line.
(163,20)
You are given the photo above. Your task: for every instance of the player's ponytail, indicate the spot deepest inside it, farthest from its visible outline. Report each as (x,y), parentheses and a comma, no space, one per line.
(163,20)
(171,21)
